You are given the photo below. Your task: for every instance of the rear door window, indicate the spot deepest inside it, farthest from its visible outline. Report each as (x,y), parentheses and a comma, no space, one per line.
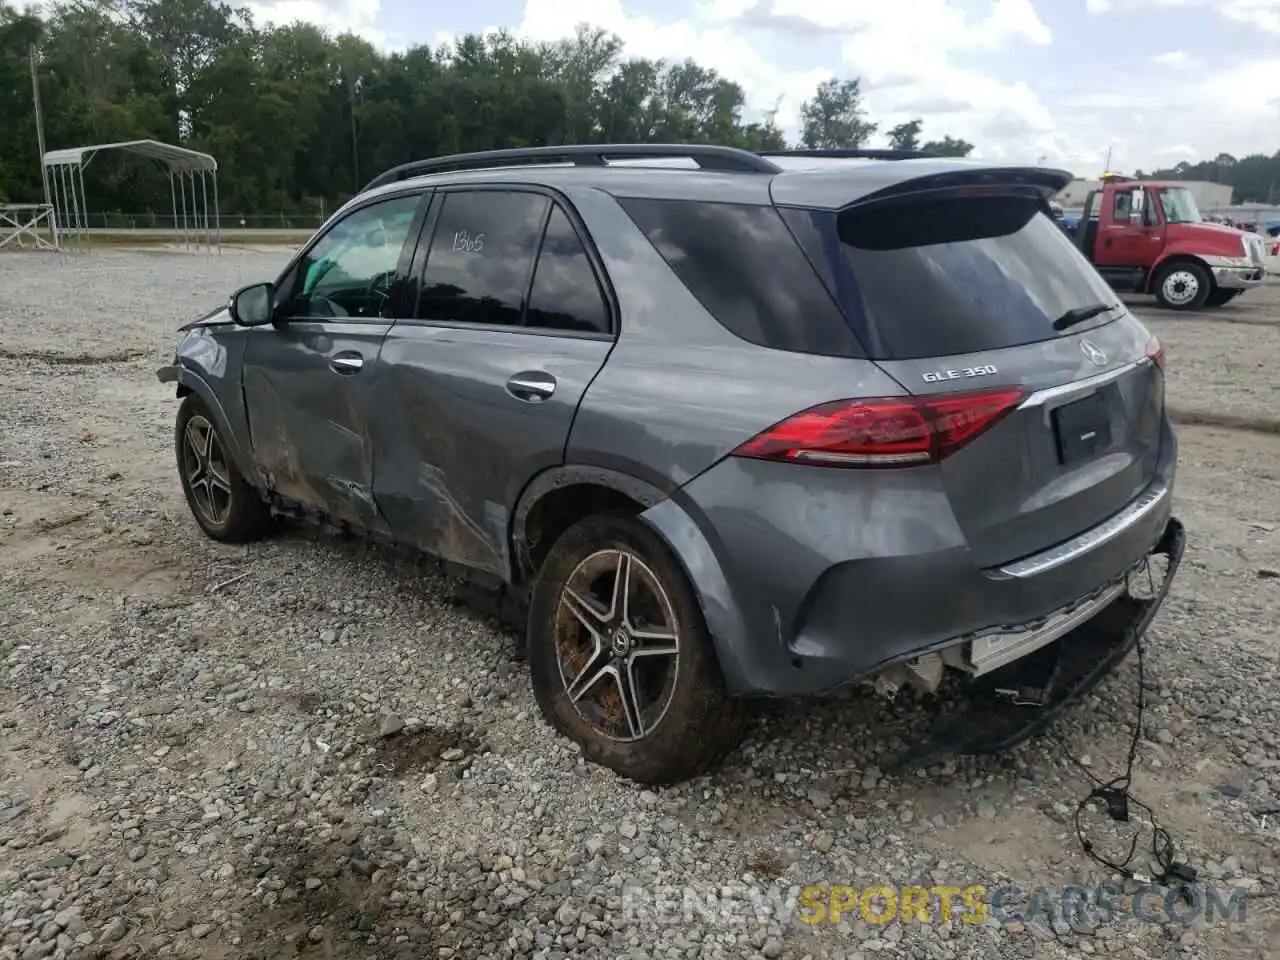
(481,257)
(966,275)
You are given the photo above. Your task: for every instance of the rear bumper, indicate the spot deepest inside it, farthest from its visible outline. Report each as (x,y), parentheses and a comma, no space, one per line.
(988,722)
(792,615)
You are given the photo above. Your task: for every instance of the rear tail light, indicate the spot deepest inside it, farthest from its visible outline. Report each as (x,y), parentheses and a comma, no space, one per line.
(1155,352)
(883,432)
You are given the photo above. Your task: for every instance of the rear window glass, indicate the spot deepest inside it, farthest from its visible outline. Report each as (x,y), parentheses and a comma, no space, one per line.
(966,275)
(746,269)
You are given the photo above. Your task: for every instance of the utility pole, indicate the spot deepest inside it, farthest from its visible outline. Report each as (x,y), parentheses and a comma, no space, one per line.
(355,149)
(1107,166)
(35,97)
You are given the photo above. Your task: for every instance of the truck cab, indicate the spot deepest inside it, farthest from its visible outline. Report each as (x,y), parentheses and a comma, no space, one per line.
(1149,237)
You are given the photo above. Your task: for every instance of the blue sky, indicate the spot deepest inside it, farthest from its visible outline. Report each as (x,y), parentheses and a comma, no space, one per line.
(1154,81)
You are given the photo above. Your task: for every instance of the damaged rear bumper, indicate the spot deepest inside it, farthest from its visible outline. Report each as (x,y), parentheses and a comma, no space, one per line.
(1021,700)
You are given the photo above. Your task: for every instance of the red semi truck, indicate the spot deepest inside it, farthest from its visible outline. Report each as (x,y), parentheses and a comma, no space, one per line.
(1149,237)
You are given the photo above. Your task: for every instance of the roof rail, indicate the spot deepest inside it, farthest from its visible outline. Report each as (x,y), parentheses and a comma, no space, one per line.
(867,153)
(706,156)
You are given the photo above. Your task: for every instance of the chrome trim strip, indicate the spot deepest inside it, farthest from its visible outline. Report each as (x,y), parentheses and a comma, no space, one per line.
(1094,537)
(995,651)
(1041,397)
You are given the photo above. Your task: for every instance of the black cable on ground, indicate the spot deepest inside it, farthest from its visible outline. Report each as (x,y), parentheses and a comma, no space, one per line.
(1116,797)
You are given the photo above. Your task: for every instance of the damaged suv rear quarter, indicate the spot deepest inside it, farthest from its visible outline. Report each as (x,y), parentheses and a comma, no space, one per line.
(786,429)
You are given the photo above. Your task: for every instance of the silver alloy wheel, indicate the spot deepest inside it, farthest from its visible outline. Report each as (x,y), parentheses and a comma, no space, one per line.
(1180,287)
(617,644)
(204,463)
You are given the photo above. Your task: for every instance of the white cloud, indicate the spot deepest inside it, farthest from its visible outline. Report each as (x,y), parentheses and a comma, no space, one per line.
(1263,14)
(710,35)
(1177,59)
(336,16)
(1258,14)
(903,60)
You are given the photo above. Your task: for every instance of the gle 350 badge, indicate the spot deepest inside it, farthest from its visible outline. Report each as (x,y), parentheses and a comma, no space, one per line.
(964,373)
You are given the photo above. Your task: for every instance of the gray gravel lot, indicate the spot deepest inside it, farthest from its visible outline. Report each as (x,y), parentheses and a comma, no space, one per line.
(306,748)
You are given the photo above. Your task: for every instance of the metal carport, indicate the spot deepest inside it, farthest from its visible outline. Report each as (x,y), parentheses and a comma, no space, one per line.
(191,173)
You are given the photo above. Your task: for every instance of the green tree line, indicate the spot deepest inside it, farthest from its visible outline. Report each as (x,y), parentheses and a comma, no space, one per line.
(298,119)
(1253,179)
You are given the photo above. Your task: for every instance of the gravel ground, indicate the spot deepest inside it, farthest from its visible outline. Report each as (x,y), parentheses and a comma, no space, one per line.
(308,748)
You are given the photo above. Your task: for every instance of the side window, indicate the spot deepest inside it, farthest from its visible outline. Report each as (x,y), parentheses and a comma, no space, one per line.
(565,293)
(1121,205)
(348,273)
(745,267)
(481,257)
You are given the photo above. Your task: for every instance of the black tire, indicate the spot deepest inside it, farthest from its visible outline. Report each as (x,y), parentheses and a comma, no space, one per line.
(695,721)
(1220,298)
(1183,285)
(224,504)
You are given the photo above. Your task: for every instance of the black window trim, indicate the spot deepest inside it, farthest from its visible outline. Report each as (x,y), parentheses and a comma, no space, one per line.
(407,249)
(426,238)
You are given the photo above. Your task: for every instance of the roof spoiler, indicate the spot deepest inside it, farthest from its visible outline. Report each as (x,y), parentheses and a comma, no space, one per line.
(870,183)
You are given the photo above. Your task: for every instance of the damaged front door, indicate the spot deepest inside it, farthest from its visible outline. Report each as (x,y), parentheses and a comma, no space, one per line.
(308,378)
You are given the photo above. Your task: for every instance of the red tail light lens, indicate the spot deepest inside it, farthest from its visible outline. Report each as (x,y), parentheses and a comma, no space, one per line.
(1155,352)
(885,432)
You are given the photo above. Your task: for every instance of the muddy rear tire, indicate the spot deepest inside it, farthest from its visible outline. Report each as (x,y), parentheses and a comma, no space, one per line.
(621,659)
(224,504)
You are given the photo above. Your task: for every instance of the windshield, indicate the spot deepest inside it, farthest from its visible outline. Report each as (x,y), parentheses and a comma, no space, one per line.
(1180,205)
(943,277)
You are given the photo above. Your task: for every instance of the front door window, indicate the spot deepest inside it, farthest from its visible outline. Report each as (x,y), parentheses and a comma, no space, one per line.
(348,272)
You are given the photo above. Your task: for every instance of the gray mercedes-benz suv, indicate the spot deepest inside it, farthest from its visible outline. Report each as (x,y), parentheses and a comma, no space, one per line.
(731,424)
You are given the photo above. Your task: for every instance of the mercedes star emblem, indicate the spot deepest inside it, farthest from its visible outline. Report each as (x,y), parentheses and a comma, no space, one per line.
(1096,356)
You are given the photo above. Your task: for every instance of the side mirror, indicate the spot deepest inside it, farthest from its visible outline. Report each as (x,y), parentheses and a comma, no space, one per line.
(251,306)
(1137,206)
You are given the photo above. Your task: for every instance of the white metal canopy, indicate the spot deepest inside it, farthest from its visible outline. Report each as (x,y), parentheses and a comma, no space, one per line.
(191,173)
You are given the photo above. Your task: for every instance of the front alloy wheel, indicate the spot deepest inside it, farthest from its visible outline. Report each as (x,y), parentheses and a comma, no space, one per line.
(620,656)
(224,504)
(204,463)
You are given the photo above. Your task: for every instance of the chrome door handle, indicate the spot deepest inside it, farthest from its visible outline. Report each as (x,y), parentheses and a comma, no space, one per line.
(347,363)
(532,386)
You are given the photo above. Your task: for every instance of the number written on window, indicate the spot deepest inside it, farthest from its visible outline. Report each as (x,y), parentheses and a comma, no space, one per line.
(464,242)
(480,260)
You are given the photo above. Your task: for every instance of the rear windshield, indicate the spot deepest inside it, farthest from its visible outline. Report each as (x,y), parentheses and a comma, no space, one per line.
(931,278)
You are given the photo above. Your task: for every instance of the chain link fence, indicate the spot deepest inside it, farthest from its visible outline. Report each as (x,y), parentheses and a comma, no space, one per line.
(222,222)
